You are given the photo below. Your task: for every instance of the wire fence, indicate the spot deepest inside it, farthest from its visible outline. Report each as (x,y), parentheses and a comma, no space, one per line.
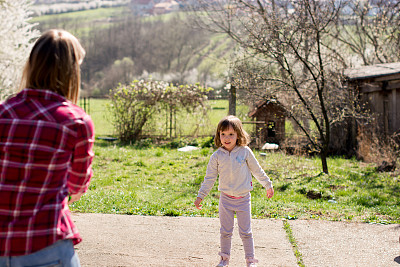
(164,124)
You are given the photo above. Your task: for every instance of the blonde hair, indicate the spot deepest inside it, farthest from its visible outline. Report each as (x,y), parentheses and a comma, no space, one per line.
(243,138)
(54,64)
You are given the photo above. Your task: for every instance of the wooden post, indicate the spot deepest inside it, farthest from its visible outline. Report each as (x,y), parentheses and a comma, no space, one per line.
(175,123)
(232,100)
(166,121)
(395,125)
(170,123)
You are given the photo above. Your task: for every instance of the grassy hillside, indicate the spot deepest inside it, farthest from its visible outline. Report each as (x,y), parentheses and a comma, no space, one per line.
(81,22)
(211,62)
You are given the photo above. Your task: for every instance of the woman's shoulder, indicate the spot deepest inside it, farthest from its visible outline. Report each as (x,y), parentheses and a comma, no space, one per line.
(72,112)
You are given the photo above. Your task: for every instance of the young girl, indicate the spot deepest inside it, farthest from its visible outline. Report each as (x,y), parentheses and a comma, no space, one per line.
(235,163)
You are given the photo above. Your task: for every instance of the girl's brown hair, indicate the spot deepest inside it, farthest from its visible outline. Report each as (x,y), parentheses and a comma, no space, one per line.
(243,138)
(54,64)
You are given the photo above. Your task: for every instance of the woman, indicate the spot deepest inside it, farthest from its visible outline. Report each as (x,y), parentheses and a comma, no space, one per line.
(46,144)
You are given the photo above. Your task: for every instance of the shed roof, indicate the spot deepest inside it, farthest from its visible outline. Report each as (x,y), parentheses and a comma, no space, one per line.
(263,103)
(372,71)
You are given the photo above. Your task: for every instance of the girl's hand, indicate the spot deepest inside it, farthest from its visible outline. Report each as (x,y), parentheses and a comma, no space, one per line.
(197,203)
(75,197)
(270,192)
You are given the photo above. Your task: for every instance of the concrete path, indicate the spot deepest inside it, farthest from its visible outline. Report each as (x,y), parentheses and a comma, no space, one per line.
(123,240)
(324,243)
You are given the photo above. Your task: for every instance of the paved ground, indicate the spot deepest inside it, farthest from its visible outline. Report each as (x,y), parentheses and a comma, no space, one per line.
(123,240)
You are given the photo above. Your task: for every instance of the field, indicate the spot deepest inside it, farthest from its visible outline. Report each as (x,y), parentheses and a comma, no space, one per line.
(164,182)
(187,124)
(81,22)
(216,56)
(146,179)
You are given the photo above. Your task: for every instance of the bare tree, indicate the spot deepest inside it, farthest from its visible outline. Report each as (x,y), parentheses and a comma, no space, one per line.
(163,48)
(297,60)
(370,30)
(173,47)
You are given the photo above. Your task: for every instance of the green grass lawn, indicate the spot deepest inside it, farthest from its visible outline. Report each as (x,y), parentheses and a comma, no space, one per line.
(80,23)
(187,124)
(98,110)
(164,182)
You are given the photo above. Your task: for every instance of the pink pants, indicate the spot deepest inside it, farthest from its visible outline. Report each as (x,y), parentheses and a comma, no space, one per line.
(227,208)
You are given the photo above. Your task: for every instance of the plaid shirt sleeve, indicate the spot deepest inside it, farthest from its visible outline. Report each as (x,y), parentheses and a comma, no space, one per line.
(80,170)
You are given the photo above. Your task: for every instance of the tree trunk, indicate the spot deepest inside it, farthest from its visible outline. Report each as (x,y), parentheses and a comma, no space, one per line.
(324,162)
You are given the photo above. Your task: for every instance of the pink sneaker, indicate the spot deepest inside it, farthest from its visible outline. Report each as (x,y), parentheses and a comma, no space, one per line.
(251,262)
(224,260)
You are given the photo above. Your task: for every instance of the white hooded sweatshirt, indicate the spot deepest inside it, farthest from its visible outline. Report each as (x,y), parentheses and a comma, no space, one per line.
(235,170)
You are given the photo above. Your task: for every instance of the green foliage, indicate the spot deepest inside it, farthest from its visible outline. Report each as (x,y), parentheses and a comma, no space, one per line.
(164,181)
(179,142)
(144,143)
(207,141)
(131,107)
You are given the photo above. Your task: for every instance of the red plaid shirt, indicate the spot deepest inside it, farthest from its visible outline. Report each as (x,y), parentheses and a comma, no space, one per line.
(46,153)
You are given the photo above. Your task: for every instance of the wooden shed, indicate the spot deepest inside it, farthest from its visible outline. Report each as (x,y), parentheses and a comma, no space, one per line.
(269,118)
(379,89)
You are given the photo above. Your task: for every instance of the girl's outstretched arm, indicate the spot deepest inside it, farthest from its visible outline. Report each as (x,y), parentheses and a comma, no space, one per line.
(270,192)
(197,203)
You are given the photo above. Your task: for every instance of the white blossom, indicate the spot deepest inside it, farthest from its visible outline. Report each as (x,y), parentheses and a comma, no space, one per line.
(16,35)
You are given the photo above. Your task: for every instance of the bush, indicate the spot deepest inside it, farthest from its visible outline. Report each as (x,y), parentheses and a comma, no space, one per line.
(180,142)
(206,142)
(133,105)
(144,143)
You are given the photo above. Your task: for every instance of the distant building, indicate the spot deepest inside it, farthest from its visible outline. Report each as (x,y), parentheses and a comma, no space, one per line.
(379,89)
(165,7)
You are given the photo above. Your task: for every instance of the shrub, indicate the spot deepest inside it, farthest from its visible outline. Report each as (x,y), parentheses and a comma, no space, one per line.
(133,105)
(206,141)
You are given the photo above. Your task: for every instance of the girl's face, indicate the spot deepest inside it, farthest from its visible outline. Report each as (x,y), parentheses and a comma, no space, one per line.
(228,138)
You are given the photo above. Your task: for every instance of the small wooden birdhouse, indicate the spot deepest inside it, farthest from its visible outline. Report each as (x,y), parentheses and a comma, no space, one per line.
(270,121)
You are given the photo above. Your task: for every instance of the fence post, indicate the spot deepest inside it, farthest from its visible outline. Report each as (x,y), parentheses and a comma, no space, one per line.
(232,100)
(86,104)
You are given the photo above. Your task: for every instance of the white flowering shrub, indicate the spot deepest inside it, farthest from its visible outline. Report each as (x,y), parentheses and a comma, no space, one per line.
(15,42)
(133,105)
